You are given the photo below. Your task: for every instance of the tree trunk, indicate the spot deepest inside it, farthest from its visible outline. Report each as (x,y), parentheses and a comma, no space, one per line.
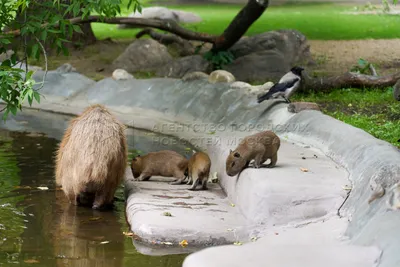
(240,24)
(347,80)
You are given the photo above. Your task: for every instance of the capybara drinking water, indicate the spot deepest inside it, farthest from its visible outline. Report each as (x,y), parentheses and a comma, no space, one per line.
(91,158)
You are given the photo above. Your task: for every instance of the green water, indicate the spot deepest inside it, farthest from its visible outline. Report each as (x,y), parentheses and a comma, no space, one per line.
(39,227)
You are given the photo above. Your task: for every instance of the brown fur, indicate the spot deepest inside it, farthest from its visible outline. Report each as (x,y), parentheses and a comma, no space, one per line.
(199,170)
(166,163)
(260,147)
(91,159)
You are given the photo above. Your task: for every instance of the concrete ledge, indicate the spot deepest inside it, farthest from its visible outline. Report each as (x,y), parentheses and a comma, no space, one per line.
(152,104)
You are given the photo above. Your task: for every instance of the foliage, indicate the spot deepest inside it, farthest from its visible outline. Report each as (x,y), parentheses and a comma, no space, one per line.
(219,59)
(38,22)
(362,67)
(374,111)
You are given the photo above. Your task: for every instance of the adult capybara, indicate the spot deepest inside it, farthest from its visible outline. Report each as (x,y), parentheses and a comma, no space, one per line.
(91,158)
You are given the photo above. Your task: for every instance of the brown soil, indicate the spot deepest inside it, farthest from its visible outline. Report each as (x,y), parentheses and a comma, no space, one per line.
(332,57)
(340,56)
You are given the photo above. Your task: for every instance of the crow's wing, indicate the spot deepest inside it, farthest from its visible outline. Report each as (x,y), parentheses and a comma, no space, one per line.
(278,87)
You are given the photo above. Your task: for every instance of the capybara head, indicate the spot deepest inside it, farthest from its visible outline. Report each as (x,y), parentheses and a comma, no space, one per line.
(136,166)
(234,163)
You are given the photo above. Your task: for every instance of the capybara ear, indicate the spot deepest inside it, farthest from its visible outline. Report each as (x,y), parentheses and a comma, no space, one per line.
(230,151)
(236,155)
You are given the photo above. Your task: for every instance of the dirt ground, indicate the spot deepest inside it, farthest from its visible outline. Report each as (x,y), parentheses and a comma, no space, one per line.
(339,56)
(332,57)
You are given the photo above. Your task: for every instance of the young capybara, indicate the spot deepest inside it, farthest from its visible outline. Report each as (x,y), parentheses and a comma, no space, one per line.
(166,163)
(91,158)
(198,170)
(260,147)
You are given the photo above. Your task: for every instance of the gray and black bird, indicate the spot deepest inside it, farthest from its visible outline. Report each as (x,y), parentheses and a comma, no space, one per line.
(286,86)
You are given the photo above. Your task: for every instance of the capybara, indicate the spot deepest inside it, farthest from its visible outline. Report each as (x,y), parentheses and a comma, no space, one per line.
(198,170)
(166,163)
(91,158)
(260,147)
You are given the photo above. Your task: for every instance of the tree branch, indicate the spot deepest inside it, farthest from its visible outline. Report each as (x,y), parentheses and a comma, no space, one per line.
(346,80)
(169,26)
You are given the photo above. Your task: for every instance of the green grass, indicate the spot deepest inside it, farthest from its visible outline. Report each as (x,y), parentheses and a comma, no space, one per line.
(316,21)
(375,111)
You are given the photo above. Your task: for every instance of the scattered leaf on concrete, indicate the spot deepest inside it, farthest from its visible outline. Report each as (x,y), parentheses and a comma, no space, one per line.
(238,243)
(304,169)
(183,243)
(212,132)
(105,242)
(167,243)
(43,188)
(229,230)
(233,205)
(347,187)
(31,261)
(128,233)
(168,214)
(254,238)
(188,148)
(303,157)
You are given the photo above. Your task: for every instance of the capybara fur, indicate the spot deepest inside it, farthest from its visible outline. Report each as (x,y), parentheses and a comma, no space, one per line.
(166,163)
(198,170)
(91,158)
(260,147)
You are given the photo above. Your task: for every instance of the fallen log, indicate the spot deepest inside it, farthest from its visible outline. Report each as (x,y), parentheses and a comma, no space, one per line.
(348,80)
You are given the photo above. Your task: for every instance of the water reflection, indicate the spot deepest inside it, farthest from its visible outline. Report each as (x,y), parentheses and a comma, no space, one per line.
(40,227)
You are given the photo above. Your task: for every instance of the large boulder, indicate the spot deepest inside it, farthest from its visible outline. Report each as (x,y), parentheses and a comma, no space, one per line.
(143,55)
(269,55)
(163,13)
(182,66)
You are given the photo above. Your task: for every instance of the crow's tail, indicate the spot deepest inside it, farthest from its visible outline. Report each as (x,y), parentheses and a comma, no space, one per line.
(263,97)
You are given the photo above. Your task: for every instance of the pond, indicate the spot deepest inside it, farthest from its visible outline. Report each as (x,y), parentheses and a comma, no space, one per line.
(38,227)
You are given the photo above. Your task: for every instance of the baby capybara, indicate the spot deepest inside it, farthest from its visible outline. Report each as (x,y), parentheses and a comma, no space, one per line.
(91,159)
(258,147)
(199,170)
(166,163)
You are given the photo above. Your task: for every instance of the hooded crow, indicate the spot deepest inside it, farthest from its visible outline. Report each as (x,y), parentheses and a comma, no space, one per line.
(286,86)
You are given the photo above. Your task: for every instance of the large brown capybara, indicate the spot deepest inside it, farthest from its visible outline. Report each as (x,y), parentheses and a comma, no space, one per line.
(92,158)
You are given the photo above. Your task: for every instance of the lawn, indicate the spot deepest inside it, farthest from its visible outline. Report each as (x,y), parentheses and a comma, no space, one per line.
(316,21)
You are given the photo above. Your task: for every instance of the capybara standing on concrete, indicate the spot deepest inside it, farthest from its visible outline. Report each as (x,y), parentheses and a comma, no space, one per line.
(166,163)
(199,170)
(260,147)
(91,159)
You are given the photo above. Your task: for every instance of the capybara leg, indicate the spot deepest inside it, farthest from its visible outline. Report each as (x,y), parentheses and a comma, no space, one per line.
(204,184)
(274,159)
(178,181)
(181,177)
(189,180)
(196,181)
(100,201)
(144,177)
(72,198)
(257,161)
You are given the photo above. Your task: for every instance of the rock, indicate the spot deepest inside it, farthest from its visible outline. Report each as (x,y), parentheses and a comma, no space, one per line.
(6,55)
(241,85)
(120,74)
(269,55)
(396,91)
(196,75)
(261,89)
(163,13)
(182,66)
(219,76)
(297,107)
(65,68)
(143,55)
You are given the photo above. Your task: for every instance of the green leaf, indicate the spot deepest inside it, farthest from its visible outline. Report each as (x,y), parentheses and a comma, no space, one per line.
(36,95)
(77,28)
(13,110)
(5,41)
(35,49)
(30,99)
(43,36)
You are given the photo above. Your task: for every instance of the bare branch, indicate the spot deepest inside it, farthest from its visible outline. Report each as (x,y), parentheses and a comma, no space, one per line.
(45,61)
(169,26)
